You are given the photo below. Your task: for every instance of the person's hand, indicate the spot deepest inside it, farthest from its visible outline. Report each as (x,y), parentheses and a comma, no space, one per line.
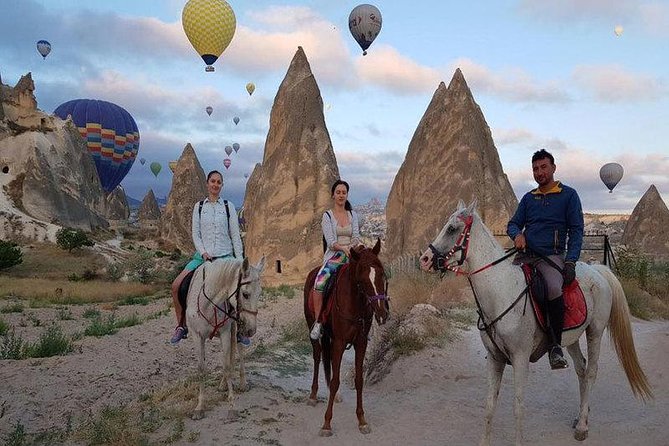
(206,257)
(569,273)
(347,251)
(520,243)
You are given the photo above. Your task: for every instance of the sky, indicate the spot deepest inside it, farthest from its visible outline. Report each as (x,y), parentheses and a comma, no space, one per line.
(546,73)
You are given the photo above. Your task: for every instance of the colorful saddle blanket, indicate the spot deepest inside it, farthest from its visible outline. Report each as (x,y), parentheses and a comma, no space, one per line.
(575,308)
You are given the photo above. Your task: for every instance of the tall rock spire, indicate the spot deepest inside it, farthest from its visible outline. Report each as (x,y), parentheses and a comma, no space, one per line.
(648,227)
(451,156)
(287,195)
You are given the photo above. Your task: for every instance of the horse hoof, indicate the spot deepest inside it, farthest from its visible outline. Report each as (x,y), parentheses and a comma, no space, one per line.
(580,435)
(365,429)
(574,423)
(312,402)
(198,415)
(325,433)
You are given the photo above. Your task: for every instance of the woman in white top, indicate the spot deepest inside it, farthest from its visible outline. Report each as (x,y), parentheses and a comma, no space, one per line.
(215,231)
(342,232)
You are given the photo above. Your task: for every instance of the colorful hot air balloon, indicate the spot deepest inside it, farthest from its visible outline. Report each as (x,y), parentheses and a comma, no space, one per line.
(227,162)
(172,165)
(155,168)
(235,146)
(228,150)
(209,26)
(250,87)
(44,48)
(111,135)
(611,174)
(142,161)
(364,22)
(618,30)
(246,175)
(209,110)
(236,120)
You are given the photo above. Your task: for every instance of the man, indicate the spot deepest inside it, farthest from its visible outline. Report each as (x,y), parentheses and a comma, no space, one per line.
(547,218)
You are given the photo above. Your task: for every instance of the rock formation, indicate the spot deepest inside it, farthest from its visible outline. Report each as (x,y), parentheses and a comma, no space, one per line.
(648,227)
(117,205)
(287,195)
(149,212)
(40,189)
(188,187)
(451,156)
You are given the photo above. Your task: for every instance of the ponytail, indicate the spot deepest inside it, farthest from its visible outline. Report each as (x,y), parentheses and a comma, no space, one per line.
(347,206)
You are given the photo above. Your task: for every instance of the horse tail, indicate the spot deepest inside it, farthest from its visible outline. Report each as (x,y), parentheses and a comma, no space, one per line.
(620,332)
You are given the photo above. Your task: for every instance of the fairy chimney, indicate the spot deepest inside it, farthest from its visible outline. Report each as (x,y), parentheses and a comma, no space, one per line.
(149,212)
(287,195)
(118,209)
(648,227)
(188,187)
(451,156)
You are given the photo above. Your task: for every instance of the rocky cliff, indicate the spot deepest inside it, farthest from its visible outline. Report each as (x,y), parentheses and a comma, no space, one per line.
(648,227)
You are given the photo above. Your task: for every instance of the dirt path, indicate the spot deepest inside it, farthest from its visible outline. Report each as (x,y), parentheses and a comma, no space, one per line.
(434,397)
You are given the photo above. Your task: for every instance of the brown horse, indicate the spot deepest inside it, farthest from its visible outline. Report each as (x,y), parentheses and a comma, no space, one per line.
(358,295)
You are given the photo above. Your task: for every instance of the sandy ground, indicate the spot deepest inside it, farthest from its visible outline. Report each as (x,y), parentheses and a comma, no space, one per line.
(433,397)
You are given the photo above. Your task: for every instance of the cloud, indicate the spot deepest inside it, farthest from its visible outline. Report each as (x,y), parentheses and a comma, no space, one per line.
(370,174)
(614,83)
(567,10)
(512,136)
(513,84)
(386,67)
(655,17)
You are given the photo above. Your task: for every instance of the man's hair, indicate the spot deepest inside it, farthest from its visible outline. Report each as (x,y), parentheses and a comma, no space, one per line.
(542,154)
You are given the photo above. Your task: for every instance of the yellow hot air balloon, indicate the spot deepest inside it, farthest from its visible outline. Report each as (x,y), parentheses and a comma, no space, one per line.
(618,30)
(250,87)
(173,165)
(210,26)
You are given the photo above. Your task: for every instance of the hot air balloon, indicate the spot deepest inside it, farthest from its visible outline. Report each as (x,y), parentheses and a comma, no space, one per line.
(155,168)
(228,150)
(172,165)
(235,146)
(111,135)
(611,174)
(364,22)
(209,110)
(227,162)
(209,26)
(246,175)
(142,161)
(250,87)
(618,30)
(44,48)
(236,120)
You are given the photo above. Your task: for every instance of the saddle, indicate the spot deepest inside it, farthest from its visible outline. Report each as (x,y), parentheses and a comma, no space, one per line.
(575,308)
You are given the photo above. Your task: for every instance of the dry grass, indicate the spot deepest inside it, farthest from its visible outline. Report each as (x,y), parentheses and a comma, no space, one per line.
(48,261)
(408,288)
(643,304)
(66,292)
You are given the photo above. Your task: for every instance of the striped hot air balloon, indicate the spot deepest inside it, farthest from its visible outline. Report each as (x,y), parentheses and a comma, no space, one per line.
(111,135)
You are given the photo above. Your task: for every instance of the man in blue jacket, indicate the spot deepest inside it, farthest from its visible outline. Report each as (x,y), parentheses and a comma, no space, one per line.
(548,218)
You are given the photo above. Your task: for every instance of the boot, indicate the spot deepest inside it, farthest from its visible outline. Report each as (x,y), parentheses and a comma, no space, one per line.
(556,322)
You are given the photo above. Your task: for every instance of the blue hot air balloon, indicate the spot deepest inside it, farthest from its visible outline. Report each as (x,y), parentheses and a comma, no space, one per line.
(44,48)
(111,135)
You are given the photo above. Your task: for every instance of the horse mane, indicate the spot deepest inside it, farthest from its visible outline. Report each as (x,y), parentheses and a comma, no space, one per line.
(221,273)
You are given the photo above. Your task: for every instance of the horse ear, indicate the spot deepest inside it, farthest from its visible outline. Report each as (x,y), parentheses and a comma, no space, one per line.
(472,206)
(377,247)
(261,265)
(461,205)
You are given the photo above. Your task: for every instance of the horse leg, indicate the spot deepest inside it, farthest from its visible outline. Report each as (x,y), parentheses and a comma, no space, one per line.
(226,346)
(234,348)
(520,369)
(495,372)
(360,348)
(579,366)
(316,350)
(337,353)
(326,345)
(594,338)
(198,414)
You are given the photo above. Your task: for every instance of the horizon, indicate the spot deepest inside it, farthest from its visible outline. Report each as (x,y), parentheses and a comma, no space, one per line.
(551,76)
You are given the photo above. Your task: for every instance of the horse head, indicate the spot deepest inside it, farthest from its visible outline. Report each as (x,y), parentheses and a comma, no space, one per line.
(370,277)
(452,240)
(249,294)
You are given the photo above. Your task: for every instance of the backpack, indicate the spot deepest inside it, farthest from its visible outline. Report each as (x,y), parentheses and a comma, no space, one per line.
(227,214)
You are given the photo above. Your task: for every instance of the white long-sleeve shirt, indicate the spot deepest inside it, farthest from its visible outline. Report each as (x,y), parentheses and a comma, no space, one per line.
(210,229)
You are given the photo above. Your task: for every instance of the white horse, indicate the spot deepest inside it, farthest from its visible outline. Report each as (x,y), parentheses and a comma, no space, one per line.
(222,298)
(517,337)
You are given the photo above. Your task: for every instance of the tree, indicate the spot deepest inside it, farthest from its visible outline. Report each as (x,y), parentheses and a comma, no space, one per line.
(10,254)
(68,238)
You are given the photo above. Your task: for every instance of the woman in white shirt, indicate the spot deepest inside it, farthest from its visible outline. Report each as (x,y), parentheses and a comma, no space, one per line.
(342,232)
(215,231)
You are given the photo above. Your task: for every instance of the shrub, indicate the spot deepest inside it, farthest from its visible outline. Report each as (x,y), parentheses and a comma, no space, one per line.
(4,327)
(12,308)
(11,346)
(70,239)
(91,313)
(141,266)
(10,254)
(52,342)
(17,437)
(99,328)
(115,271)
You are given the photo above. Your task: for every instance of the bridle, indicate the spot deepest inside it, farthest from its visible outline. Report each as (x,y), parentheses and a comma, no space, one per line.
(440,260)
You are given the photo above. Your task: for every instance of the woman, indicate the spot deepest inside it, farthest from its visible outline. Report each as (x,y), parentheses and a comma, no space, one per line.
(215,235)
(342,232)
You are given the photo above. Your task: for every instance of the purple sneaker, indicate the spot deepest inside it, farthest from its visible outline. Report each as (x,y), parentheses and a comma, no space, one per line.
(243,340)
(179,334)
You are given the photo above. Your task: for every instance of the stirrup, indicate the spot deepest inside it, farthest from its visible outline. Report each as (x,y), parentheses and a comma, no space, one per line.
(556,358)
